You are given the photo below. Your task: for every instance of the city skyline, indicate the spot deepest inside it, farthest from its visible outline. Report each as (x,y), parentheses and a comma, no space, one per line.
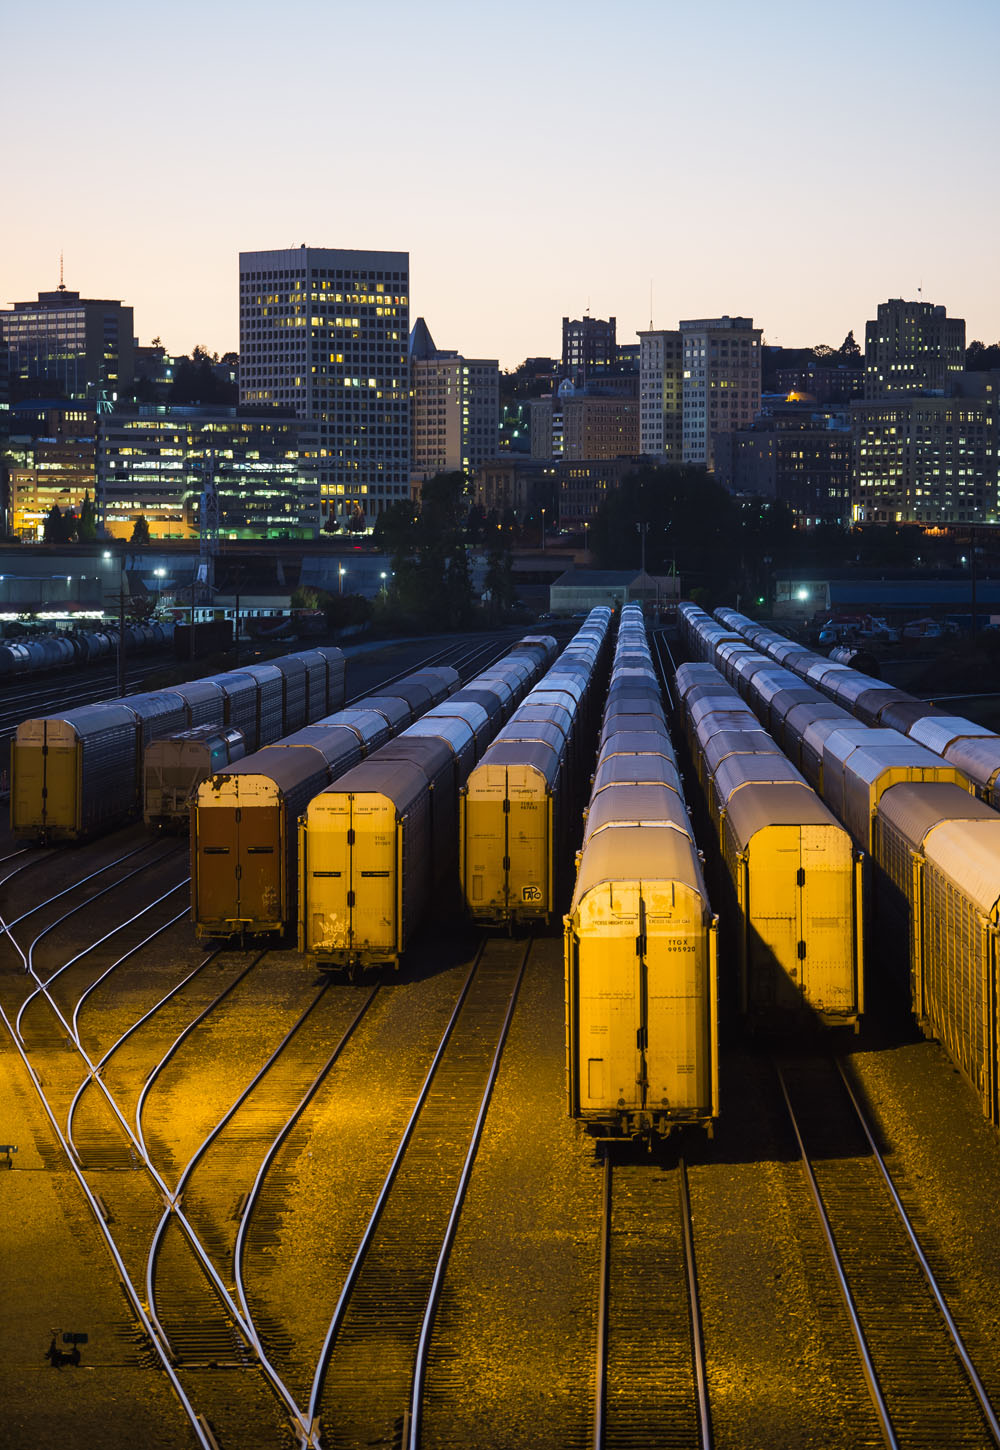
(656,168)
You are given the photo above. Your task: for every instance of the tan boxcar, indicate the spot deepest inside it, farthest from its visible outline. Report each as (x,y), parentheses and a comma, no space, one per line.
(243,834)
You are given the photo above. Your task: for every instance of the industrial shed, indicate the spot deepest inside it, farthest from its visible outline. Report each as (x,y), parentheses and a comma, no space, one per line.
(579,590)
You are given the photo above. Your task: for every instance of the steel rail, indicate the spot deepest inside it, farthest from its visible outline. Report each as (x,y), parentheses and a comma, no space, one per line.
(369,1233)
(975,1382)
(67,890)
(173,1209)
(871,1379)
(180,916)
(427,1326)
(178,1040)
(603,1296)
(102,1063)
(197,1424)
(42,986)
(249,1203)
(694,1303)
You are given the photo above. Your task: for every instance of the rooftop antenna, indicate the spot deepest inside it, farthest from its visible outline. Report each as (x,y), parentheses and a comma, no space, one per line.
(650,304)
(62,284)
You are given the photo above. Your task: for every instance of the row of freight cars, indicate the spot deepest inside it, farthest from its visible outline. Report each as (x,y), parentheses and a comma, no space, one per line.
(640,937)
(378,839)
(381,843)
(244,819)
(83,772)
(60,651)
(926,821)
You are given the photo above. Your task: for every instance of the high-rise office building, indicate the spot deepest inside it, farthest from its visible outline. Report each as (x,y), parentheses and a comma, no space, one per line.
(912,347)
(456,407)
(661,375)
(325,332)
(68,346)
(589,348)
(721,381)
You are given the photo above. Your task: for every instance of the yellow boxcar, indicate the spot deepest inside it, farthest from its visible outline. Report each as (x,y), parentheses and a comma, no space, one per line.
(506,833)
(799,892)
(641,986)
(74,774)
(364,865)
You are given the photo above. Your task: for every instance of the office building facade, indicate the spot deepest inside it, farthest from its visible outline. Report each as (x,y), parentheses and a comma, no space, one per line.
(325,332)
(661,380)
(721,360)
(154,462)
(68,346)
(912,347)
(589,348)
(456,408)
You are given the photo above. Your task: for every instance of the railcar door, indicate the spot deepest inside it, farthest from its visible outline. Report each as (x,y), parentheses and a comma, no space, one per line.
(526,860)
(613,1003)
(329,858)
(217,885)
(260,889)
(774,938)
(828,961)
(373,874)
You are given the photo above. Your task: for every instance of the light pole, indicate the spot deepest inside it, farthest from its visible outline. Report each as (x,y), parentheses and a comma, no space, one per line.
(341,571)
(641,530)
(383,576)
(543,531)
(159,573)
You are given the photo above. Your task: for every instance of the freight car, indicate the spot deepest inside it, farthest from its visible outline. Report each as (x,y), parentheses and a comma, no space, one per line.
(244,842)
(974,749)
(75,774)
(640,936)
(378,845)
(849,764)
(793,877)
(516,805)
(175,765)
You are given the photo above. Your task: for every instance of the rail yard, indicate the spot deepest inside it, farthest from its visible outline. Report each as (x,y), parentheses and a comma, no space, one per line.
(301,1189)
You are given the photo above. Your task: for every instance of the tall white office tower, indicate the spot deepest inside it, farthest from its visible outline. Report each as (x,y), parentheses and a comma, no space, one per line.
(324,333)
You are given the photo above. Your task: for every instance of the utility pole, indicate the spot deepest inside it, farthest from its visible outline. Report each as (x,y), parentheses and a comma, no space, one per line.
(121,630)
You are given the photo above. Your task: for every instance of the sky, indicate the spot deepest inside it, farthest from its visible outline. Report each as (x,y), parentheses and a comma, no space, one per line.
(647,160)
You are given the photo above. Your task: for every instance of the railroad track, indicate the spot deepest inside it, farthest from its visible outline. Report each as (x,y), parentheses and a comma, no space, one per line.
(369,1378)
(651,1391)
(923,1386)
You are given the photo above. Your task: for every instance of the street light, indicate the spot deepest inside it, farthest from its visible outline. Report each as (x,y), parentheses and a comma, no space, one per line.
(543,531)
(159,575)
(383,577)
(341,571)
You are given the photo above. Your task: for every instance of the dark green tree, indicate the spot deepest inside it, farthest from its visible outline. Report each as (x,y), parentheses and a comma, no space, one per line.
(86,529)
(499,577)
(432,587)
(140,532)
(850,353)
(54,530)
